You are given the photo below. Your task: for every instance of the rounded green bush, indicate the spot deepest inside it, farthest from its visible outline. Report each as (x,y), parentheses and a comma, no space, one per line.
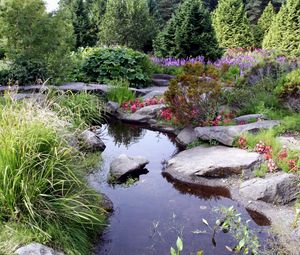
(114,63)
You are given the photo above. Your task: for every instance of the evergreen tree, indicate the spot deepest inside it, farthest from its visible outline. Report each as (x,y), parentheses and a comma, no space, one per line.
(167,8)
(127,22)
(231,24)
(284,33)
(264,23)
(189,33)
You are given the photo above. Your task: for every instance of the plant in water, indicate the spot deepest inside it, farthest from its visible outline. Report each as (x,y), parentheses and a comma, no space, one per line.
(41,188)
(119,91)
(179,247)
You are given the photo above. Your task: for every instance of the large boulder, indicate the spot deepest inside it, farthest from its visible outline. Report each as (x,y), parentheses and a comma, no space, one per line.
(278,188)
(123,166)
(187,136)
(217,161)
(91,141)
(227,134)
(146,115)
(37,249)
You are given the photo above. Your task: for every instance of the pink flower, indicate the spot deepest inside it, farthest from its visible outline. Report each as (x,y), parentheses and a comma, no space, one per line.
(133,108)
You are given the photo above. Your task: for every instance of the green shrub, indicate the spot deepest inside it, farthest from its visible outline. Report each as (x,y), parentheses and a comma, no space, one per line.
(193,99)
(231,25)
(82,109)
(104,64)
(189,33)
(41,188)
(119,92)
(284,33)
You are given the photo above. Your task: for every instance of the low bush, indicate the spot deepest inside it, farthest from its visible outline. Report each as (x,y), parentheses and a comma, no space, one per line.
(43,194)
(119,91)
(104,64)
(192,98)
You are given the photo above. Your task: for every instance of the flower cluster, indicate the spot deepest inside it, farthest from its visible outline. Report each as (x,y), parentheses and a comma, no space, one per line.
(242,142)
(166,114)
(223,118)
(175,61)
(134,105)
(264,149)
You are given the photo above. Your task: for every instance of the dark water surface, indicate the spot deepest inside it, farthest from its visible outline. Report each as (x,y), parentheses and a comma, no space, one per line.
(151,214)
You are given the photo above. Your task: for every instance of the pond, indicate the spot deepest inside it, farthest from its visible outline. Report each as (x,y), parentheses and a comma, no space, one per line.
(150,214)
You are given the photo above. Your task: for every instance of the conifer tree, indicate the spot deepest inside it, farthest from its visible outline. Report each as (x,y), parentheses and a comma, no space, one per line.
(189,33)
(231,24)
(284,33)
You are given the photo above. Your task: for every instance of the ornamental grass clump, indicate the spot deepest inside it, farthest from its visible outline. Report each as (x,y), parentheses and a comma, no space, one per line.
(41,188)
(193,97)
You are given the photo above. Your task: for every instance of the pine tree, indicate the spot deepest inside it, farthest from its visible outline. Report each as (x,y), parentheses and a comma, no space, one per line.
(264,23)
(231,24)
(284,33)
(127,22)
(189,33)
(167,8)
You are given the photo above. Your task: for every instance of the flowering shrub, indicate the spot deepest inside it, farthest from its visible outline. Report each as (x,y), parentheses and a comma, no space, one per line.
(134,105)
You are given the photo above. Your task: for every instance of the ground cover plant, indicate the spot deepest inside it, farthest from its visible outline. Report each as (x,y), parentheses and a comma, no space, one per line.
(43,195)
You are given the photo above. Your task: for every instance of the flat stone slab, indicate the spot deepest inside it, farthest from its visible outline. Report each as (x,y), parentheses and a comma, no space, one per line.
(227,134)
(36,249)
(278,188)
(217,161)
(249,117)
(145,115)
(290,142)
(163,76)
(125,165)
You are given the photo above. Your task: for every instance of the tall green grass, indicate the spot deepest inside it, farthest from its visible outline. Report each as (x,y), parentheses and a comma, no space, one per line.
(41,188)
(119,91)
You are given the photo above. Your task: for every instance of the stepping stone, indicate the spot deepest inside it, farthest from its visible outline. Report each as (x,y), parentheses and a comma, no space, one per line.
(217,161)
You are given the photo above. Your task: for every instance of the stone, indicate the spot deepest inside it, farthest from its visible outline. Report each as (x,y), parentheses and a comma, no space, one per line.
(112,107)
(249,117)
(186,136)
(160,82)
(290,142)
(91,141)
(154,93)
(143,115)
(278,188)
(106,203)
(37,249)
(124,166)
(227,134)
(216,161)
(163,76)
(292,103)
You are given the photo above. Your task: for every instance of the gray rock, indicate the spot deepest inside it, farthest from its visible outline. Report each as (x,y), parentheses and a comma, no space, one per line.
(124,165)
(292,103)
(163,76)
(247,118)
(290,142)
(106,203)
(36,249)
(278,188)
(227,134)
(91,141)
(112,107)
(143,115)
(187,136)
(160,82)
(155,93)
(217,161)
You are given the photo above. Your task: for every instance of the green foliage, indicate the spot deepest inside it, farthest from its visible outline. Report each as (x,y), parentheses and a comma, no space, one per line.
(104,64)
(119,92)
(179,247)
(41,188)
(264,23)
(38,37)
(185,96)
(231,25)
(82,109)
(167,8)
(127,23)
(284,33)
(188,33)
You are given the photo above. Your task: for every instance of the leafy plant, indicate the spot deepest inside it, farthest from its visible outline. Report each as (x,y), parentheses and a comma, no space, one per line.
(104,64)
(179,246)
(119,91)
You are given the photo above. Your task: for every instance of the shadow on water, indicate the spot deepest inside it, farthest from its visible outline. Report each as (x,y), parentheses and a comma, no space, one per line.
(150,215)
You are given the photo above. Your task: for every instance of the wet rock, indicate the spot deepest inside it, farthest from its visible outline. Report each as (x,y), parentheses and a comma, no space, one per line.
(124,166)
(249,117)
(143,115)
(290,142)
(37,249)
(217,161)
(187,136)
(227,134)
(278,188)
(106,203)
(91,141)
(112,107)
